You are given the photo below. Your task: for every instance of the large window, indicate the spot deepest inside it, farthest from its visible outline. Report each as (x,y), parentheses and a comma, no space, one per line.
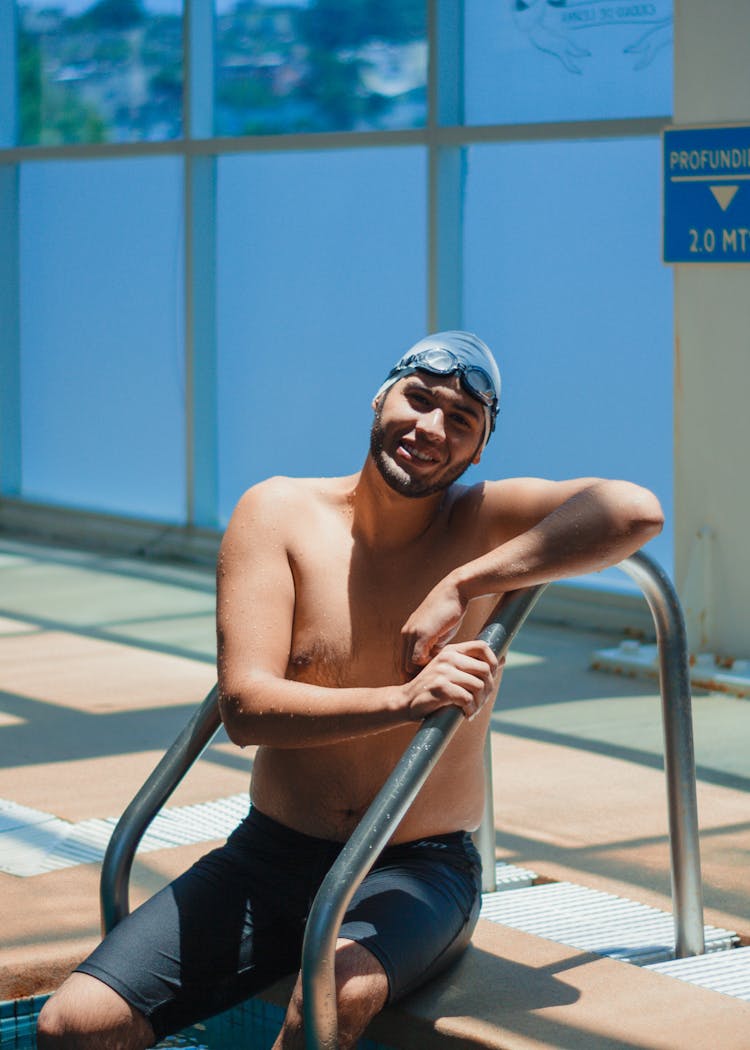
(313,305)
(102,371)
(102,71)
(224,221)
(554,60)
(323,65)
(570,292)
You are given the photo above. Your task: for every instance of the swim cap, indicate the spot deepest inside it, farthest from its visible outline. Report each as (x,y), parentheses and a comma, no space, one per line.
(448,353)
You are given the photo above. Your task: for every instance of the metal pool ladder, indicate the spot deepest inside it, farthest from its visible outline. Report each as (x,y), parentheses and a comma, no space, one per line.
(410,773)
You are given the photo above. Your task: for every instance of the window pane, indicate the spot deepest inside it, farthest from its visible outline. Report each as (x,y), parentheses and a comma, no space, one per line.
(104,71)
(564,280)
(102,373)
(320,65)
(315,304)
(549,60)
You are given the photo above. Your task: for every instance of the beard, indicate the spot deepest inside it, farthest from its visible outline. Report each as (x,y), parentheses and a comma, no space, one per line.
(398,479)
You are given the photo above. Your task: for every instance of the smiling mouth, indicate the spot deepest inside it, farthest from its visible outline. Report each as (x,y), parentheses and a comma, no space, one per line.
(415,454)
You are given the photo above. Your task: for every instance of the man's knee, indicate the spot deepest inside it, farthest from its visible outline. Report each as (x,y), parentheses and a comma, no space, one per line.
(361,981)
(361,990)
(85,1013)
(361,993)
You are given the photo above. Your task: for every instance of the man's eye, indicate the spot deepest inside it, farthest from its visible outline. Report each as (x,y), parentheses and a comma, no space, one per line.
(420,399)
(462,421)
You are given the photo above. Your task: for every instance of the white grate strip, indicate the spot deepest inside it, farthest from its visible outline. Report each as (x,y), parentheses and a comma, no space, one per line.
(14,816)
(593,921)
(32,842)
(727,972)
(509,877)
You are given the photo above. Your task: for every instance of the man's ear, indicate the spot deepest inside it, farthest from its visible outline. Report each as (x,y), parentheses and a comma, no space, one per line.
(480,451)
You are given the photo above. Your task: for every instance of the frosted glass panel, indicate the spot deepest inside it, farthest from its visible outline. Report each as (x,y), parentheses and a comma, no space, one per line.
(549,60)
(102,372)
(564,280)
(321,285)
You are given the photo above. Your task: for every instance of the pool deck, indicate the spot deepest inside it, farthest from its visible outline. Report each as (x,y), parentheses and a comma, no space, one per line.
(103,659)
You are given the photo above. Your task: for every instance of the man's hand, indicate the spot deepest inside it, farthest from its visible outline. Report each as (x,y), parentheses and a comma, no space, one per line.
(431,626)
(464,675)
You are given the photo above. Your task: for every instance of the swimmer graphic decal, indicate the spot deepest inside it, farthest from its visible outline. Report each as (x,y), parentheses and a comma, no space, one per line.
(551,25)
(549,60)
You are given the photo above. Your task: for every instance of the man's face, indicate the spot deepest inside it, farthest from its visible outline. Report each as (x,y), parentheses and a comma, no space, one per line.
(427,431)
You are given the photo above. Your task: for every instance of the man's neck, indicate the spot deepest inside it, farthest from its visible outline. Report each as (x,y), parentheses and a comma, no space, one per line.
(384,518)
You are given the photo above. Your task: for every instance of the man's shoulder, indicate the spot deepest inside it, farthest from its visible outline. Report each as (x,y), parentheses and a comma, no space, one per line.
(277,496)
(277,487)
(267,516)
(494,491)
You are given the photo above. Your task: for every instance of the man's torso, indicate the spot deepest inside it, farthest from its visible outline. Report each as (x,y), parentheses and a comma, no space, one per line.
(350,604)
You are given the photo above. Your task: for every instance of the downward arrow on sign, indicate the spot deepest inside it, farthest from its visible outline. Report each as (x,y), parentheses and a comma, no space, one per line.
(724,195)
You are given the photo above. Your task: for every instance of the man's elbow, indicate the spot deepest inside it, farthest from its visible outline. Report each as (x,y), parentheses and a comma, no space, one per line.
(640,512)
(237,717)
(649,514)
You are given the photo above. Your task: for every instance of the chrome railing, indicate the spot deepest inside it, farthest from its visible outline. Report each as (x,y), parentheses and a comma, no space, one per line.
(679,755)
(399,791)
(118,860)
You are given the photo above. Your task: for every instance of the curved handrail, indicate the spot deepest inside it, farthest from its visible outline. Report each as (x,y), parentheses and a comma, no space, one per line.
(679,754)
(118,860)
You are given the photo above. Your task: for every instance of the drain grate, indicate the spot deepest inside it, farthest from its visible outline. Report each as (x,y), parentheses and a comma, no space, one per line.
(33,842)
(726,972)
(593,921)
(509,877)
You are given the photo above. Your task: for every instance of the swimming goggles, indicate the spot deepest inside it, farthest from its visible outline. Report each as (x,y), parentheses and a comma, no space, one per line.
(441,362)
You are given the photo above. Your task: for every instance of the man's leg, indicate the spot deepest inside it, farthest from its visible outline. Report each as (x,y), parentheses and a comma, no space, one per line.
(412,916)
(210,939)
(85,1014)
(361,993)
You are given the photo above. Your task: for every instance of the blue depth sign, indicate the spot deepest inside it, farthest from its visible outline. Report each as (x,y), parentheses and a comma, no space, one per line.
(707,195)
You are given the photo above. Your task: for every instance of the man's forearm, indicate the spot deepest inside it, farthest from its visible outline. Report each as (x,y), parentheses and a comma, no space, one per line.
(270,710)
(594,529)
(282,713)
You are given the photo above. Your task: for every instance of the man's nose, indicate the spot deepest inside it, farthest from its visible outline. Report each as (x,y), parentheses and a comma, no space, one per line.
(432,424)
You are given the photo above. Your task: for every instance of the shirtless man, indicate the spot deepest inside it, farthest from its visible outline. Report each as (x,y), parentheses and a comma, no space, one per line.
(347,611)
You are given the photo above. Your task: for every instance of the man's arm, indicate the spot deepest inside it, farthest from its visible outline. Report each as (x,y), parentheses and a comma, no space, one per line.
(549,530)
(255,615)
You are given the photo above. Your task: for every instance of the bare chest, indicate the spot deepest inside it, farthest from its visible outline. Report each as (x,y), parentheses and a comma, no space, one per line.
(350,607)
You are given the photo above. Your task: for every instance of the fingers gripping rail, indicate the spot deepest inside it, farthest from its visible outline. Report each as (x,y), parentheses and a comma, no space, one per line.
(402,786)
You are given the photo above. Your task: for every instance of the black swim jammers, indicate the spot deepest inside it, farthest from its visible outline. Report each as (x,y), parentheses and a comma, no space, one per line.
(234,923)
